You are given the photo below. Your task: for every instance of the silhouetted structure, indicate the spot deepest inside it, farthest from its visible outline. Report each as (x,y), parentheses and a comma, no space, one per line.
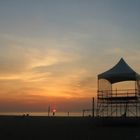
(49,110)
(118,102)
(89,110)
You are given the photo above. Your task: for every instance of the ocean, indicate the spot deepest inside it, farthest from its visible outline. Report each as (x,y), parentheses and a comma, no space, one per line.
(78,114)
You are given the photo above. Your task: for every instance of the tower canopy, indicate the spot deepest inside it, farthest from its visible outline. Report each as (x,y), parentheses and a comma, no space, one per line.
(120,72)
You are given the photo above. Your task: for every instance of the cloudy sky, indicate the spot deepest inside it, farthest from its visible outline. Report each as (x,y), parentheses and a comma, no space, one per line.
(52,50)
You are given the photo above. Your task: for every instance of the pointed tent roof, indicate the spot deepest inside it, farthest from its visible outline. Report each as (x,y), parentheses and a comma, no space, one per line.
(120,72)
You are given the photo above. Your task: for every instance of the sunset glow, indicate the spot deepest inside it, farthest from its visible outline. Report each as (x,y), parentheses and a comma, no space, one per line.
(52,51)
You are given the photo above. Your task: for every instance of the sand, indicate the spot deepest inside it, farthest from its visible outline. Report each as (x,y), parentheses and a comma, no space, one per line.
(62,128)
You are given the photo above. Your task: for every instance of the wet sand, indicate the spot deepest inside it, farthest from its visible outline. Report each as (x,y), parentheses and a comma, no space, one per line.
(62,128)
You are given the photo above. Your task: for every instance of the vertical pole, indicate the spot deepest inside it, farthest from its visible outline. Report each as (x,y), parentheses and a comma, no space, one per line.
(135,88)
(136,110)
(49,109)
(120,110)
(136,99)
(83,112)
(93,107)
(111,101)
(116,105)
(97,110)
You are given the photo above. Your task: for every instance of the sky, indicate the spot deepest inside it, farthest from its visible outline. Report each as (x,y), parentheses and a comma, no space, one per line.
(51,51)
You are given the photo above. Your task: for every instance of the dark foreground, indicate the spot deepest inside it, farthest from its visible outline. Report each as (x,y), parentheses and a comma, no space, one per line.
(63,128)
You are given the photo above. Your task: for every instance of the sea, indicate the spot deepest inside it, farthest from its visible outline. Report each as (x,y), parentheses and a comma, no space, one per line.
(63,114)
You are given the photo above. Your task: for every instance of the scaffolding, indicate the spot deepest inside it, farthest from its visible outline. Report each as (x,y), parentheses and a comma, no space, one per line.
(118,103)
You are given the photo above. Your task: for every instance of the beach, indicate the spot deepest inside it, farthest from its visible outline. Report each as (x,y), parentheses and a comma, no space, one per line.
(62,128)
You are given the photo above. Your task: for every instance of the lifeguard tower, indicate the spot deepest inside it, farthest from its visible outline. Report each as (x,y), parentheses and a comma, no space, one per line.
(118,103)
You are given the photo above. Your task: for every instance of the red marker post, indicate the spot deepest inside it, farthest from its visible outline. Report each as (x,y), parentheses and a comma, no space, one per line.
(53,111)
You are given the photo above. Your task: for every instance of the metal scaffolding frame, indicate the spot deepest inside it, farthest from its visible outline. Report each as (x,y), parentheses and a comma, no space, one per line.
(118,103)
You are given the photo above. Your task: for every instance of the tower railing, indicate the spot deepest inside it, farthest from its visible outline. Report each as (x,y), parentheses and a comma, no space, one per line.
(118,93)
